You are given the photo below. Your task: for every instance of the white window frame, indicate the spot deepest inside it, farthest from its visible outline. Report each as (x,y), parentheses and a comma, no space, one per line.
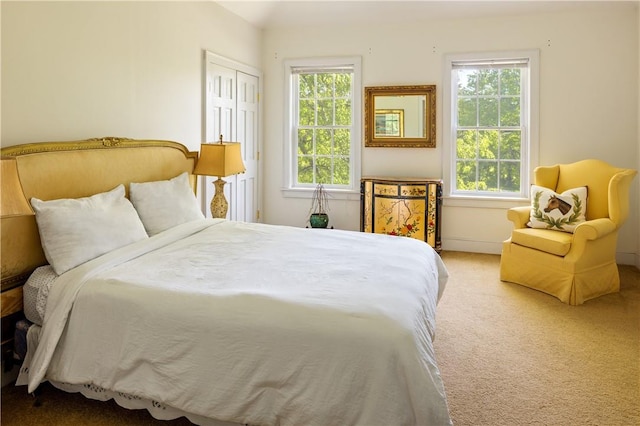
(531,119)
(290,188)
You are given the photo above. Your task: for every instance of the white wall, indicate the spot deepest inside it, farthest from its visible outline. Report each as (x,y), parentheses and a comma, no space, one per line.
(589,102)
(77,70)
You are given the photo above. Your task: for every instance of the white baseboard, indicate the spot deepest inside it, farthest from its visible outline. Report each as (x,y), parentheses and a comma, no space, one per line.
(472,246)
(491,247)
(628,259)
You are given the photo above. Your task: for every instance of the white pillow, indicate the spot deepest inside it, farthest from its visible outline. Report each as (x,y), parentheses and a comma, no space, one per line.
(562,212)
(74,231)
(165,203)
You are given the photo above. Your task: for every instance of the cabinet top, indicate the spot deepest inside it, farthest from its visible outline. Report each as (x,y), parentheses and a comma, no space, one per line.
(400,179)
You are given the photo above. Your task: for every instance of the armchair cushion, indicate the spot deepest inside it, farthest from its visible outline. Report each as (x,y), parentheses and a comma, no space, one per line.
(545,240)
(560,212)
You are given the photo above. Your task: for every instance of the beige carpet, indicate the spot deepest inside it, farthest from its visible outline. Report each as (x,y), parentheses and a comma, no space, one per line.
(508,355)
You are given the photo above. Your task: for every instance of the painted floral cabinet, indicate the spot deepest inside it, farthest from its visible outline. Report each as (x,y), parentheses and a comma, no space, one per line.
(402,206)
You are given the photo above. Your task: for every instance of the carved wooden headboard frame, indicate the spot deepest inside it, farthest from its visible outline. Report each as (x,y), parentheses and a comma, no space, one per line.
(52,170)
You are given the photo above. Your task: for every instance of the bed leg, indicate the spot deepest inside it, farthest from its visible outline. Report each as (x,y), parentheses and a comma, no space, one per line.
(37,400)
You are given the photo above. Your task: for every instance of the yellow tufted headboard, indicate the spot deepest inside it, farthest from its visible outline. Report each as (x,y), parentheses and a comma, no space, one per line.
(52,170)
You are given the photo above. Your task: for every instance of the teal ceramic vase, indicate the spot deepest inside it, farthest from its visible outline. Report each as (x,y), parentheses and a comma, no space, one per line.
(319,220)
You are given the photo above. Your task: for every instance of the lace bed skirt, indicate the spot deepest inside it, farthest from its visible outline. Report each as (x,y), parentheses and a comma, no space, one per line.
(30,333)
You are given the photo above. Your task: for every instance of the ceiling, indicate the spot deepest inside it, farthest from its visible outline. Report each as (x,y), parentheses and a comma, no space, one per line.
(270,14)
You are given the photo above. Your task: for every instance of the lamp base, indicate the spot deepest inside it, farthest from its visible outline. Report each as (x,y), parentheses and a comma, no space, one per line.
(219,204)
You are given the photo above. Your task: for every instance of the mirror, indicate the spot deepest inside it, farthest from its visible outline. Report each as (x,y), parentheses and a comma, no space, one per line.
(400,116)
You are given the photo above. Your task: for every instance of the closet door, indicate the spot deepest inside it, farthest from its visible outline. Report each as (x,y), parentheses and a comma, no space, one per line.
(246,184)
(232,110)
(221,102)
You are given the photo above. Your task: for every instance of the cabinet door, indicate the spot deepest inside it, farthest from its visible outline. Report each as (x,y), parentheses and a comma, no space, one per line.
(399,209)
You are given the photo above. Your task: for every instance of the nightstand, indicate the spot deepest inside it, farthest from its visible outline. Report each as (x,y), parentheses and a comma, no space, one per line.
(11,307)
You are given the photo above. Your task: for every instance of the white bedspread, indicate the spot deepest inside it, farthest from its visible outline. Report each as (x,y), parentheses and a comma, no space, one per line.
(257,324)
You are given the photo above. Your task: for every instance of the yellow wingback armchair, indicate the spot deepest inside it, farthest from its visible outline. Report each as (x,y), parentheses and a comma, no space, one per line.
(574,267)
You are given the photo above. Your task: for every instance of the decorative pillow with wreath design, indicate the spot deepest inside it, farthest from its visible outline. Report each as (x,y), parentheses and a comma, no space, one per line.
(562,212)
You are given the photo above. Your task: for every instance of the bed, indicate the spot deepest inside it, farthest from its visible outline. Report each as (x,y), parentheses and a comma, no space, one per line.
(140,298)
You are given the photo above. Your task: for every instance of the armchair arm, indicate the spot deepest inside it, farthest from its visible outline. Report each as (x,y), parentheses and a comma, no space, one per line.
(519,216)
(592,240)
(619,195)
(594,229)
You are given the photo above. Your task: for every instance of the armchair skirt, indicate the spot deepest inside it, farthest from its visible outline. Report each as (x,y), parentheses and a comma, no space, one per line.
(571,282)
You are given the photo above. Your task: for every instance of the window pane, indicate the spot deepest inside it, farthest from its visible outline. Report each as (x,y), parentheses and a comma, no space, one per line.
(306,85)
(510,112)
(342,142)
(324,85)
(488,176)
(307,113)
(305,142)
(343,85)
(325,113)
(467,82)
(488,144)
(466,175)
(488,82)
(343,112)
(510,145)
(323,170)
(510,176)
(323,142)
(488,112)
(305,169)
(341,172)
(466,144)
(467,112)
(510,82)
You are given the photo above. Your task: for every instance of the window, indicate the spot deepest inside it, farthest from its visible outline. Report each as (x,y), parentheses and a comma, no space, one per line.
(323,124)
(491,121)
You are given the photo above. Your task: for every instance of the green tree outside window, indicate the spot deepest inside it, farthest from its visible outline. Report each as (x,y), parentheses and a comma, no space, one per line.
(323,128)
(489,134)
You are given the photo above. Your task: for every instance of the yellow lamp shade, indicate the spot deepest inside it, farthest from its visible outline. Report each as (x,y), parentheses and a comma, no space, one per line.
(220,159)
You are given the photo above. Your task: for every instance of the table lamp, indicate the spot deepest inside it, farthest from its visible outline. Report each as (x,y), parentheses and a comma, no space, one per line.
(219,159)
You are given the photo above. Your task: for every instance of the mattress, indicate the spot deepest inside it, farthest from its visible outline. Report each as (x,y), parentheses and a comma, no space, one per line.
(35,293)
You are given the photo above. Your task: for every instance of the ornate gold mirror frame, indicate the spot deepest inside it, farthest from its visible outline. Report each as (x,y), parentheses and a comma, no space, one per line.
(400,116)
